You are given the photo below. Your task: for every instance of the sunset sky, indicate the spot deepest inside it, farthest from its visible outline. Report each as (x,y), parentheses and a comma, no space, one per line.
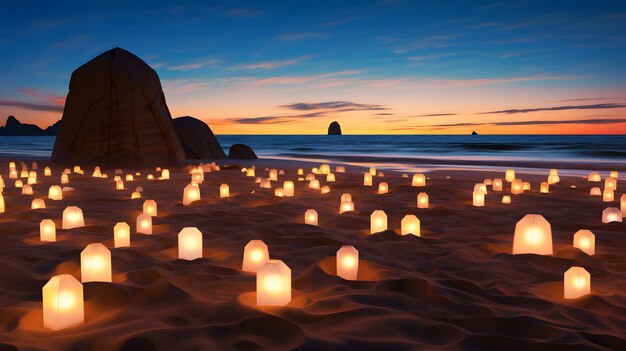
(377,67)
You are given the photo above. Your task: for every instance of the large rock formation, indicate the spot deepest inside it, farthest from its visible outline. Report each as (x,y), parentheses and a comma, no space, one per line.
(334,128)
(115,116)
(241,151)
(14,127)
(197,139)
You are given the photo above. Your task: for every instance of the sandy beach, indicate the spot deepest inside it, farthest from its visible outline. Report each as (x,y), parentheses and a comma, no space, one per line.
(457,287)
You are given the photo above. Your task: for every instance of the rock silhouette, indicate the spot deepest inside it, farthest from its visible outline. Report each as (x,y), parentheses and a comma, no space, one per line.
(14,127)
(197,139)
(241,151)
(334,128)
(115,116)
(474,133)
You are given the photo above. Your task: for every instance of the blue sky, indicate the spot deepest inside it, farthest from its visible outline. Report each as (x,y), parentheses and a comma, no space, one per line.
(244,64)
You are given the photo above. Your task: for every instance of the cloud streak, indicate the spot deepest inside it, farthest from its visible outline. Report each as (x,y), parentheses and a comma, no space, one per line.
(267,65)
(556,108)
(598,121)
(333,105)
(195,65)
(32,106)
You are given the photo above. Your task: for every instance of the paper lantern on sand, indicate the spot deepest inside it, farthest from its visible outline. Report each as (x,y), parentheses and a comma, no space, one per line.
(378,221)
(509,175)
(614,174)
(37,204)
(191,193)
(95,263)
(346,197)
(480,188)
(533,234)
(340,169)
(288,189)
(496,185)
(383,188)
(119,184)
(348,262)
(314,184)
(144,223)
(622,203)
(63,305)
(121,235)
(189,244)
(255,255)
(330,177)
(224,190)
(594,177)
(478,199)
(47,172)
(586,241)
(373,171)
(517,186)
(150,207)
(27,189)
(279,192)
(72,218)
(65,179)
(576,283)
(346,206)
(135,195)
(165,174)
(273,284)
(410,225)
(1,203)
(325,189)
(544,188)
(47,230)
(608,195)
(506,199)
(310,217)
(595,191)
(422,200)
(610,183)
(611,214)
(55,193)
(418,180)
(367,179)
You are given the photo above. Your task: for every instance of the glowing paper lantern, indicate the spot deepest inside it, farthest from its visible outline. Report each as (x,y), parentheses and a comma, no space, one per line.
(622,204)
(189,244)
(191,193)
(63,305)
(119,185)
(309,177)
(32,177)
(24,173)
(608,195)
(19,183)
(150,177)
(340,169)
(614,174)
(310,217)
(72,218)
(348,262)
(95,264)
(47,230)
(65,179)
(380,174)
(27,189)
(129,178)
(330,177)
(553,179)
(610,183)
(410,225)
(315,170)
(77,169)
(324,169)
(250,172)
(346,206)
(544,188)
(496,185)
(37,204)
(55,193)
(480,188)
(135,195)
(367,179)
(121,235)
(478,199)
(509,176)
(266,184)
(144,223)
(611,214)
(47,172)
(117,178)
(255,256)
(165,174)
(506,199)
(576,283)
(533,234)
(383,188)
(346,197)
(378,221)
(150,207)
(594,177)
(288,189)
(325,189)
(300,171)
(273,284)
(517,187)
(373,171)
(422,200)
(12,173)
(1,203)
(418,180)
(488,182)
(279,192)
(96,172)
(586,241)
(273,174)
(224,190)
(314,184)
(526,186)
(595,191)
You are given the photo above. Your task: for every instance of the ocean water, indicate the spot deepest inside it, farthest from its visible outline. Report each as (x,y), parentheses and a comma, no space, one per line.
(409,152)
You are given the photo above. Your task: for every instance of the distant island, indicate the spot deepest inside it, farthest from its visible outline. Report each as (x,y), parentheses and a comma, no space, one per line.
(13,127)
(334,128)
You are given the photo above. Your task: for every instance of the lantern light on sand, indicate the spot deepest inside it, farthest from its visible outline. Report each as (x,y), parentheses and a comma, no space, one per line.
(77,169)
(314,184)
(325,189)
(65,179)
(63,305)
(47,230)
(348,262)
(346,197)
(576,283)
(595,191)
(12,173)
(422,200)
(32,177)
(250,172)
(135,195)
(19,184)
(622,204)
(121,235)
(506,199)
(117,178)
(165,174)
(273,174)
(129,178)
(517,186)
(418,180)
(150,177)
(478,199)
(189,244)
(346,206)
(144,223)
(378,221)
(119,185)
(47,171)
(383,188)
(594,177)
(488,182)
(96,172)
(611,214)
(497,184)
(288,189)
(27,189)
(614,174)
(610,183)
(509,175)
(380,174)
(191,193)
(330,177)
(526,186)
(586,241)
(608,195)
(24,174)
(1,203)
(273,284)
(279,192)
(224,191)
(533,234)
(310,217)
(544,188)
(340,169)
(367,179)
(315,170)
(265,184)
(372,171)
(480,188)
(553,179)
(55,193)
(324,169)
(37,204)
(72,218)
(300,171)
(255,255)
(410,224)
(95,263)
(150,207)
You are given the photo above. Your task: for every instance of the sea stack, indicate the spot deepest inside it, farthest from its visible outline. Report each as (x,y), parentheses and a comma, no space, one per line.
(241,151)
(115,116)
(334,128)
(474,133)
(197,139)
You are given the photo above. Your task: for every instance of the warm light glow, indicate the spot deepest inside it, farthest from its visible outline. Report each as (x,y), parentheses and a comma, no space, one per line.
(255,255)
(310,217)
(119,185)
(346,206)
(348,262)
(383,188)
(422,200)
(144,223)
(517,186)
(526,186)
(27,189)
(273,175)
(63,305)
(314,184)
(165,174)
(576,283)
(553,179)
(346,197)
(95,263)
(480,188)
(594,177)
(544,188)
(55,193)
(372,171)
(224,190)
(367,179)
(121,235)
(315,170)
(273,284)
(509,176)
(96,172)
(611,214)
(325,189)
(300,171)
(250,172)
(418,180)
(478,199)
(340,169)
(410,225)
(330,177)
(2,209)
(265,184)
(32,177)
(533,234)
(150,207)
(37,204)
(288,189)
(191,193)
(72,218)
(608,195)
(135,195)
(595,191)
(488,182)
(614,174)
(278,192)
(622,204)
(610,183)
(378,221)
(189,244)
(586,241)
(47,172)
(47,230)
(324,169)
(129,178)
(506,199)
(65,179)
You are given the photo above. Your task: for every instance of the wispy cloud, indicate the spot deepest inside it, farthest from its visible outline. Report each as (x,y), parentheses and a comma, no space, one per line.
(195,65)
(333,105)
(45,101)
(295,37)
(598,121)
(183,86)
(557,108)
(267,65)
(431,57)
(282,80)
(436,115)
(32,106)
(430,42)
